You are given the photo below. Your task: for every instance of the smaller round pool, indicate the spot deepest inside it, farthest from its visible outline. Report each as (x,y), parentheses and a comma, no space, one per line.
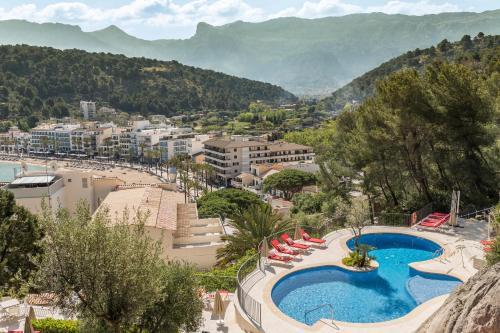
(389,292)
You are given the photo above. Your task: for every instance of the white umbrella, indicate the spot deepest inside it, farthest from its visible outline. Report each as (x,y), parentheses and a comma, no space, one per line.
(264,249)
(31,313)
(297,234)
(28,327)
(218,309)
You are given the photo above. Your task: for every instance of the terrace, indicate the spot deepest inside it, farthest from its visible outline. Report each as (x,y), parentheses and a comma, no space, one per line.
(256,309)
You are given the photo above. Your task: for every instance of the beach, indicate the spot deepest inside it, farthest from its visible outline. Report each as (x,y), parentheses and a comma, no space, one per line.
(129,175)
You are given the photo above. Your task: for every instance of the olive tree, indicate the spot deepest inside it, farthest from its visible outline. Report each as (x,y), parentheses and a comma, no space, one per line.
(110,274)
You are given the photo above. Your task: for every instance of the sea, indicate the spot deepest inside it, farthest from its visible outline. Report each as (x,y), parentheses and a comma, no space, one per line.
(8,170)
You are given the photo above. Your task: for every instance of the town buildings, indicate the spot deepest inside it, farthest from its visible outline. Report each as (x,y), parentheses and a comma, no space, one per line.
(140,141)
(235,155)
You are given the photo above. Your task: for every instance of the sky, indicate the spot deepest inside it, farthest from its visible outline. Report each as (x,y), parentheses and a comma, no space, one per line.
(156,19)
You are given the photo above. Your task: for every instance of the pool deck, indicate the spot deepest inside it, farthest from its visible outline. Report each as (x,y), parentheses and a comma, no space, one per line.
(460,248)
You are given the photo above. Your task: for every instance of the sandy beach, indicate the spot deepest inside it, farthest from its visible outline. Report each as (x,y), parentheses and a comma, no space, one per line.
(128,175)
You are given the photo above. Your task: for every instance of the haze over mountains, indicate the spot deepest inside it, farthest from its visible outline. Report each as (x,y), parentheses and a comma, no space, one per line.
(304,56)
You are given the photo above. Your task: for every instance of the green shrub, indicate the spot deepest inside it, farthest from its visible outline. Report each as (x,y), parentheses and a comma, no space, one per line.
(225,278)
(359,257)
(51,325)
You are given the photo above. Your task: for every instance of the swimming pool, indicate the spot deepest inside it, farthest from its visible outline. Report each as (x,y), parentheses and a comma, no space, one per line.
(389,292)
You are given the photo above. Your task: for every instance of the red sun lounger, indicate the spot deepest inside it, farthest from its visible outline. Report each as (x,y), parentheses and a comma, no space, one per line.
(487,249)
(434,223)
(277,257)
(286,238)
(487,241)
(436,218)
(281,249)
(307,238)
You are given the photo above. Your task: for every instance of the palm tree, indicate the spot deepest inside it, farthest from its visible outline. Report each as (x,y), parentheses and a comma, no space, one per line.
(250,227)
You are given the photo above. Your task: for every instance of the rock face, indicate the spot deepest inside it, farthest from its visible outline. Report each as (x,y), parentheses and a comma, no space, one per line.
(472,308)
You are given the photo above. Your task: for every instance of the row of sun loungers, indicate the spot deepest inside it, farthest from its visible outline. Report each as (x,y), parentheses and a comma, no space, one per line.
(285,255)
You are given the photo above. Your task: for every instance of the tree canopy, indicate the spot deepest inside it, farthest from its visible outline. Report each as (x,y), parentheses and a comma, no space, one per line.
(40,82)
(419,137)
(289,181)
(226,202)
(20,243)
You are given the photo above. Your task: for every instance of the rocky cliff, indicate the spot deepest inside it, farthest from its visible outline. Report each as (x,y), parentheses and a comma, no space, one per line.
(472,308)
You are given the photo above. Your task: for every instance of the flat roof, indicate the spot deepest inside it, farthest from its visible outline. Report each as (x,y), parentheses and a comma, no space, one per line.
(33,180)
(161,205)
(233,143)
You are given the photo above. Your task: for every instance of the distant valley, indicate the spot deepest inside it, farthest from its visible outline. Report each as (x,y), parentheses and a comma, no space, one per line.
(304,56)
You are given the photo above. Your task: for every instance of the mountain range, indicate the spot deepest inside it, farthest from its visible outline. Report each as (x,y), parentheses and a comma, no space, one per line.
(305,56)
(479,52)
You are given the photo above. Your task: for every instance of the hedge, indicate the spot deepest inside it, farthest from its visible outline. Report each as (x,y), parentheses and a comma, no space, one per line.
(50,325)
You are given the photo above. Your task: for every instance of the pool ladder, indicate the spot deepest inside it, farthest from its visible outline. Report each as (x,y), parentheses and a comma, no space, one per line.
(317,308)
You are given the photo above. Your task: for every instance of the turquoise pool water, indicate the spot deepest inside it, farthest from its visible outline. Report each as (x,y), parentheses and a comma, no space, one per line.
(9,169)
(389,292)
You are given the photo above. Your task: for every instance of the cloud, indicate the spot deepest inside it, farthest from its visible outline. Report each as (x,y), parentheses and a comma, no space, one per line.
(140,15)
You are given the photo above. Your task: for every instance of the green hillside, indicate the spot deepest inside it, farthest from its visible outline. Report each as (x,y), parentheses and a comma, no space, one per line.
(305,56)
(470,51)
(41,82)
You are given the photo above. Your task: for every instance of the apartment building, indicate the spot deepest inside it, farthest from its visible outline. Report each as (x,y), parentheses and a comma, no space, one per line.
(14,141)
(52,138)
(93,139)
(181,144)
(234,155)
(88,110)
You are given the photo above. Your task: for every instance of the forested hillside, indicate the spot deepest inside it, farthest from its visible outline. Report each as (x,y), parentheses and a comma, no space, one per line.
(305,56)
(41,82)
(469,51)
(421,135)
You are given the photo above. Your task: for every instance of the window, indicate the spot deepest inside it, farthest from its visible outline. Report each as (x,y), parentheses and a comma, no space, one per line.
(85,183)
(69,180)
(235,150)
(235,157)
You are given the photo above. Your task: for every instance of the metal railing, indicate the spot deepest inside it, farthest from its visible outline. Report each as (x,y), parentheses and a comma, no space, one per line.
(252,270)
(394,219)
(476,212)
(329,305)
(424,211)
(247,274)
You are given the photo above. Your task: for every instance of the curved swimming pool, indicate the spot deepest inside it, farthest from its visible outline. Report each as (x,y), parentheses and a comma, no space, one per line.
(389,292)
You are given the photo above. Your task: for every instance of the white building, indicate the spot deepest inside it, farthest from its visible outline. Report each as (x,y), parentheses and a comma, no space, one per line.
(62,188)
(181,144)
(233,156)
(88,110)
(52,138)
